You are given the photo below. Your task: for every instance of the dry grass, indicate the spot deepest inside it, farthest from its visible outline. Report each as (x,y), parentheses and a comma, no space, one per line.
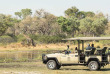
(18,46)
(18,53)
(58,46)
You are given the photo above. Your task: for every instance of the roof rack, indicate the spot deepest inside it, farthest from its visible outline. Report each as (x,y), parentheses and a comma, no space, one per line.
(88,38)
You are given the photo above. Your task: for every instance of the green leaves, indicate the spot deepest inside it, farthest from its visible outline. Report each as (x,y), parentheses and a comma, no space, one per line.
(19,14)
(23,13)
(65,23)
(5,22)
(75,23)
(74,12)
(89,14)
(3,28)
(69,25)
(90,26)
(71,11)
(26,12)
(86,23)
(99,25)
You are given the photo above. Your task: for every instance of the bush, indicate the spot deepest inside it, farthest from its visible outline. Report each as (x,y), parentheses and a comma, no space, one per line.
(48,39)
(6,39)
(20,38)
(105,42)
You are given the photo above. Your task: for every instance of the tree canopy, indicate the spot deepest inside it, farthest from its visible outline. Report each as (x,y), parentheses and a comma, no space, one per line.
(42,23)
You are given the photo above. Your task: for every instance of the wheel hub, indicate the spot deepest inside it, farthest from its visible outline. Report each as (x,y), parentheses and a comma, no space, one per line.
(93,66)
(51,65)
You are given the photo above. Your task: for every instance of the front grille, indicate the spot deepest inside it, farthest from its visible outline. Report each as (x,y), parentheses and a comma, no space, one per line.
(43,55)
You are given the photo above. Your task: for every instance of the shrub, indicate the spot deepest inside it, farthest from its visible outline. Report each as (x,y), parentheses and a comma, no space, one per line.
(6,39)
(48,39)
(20,38)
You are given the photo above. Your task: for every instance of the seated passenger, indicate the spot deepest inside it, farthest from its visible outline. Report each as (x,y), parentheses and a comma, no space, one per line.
(76,50)
(92,46)
(89,47)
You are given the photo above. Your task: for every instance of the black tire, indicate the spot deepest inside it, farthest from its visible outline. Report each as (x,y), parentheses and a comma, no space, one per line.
(52,65)
(99,67)
(58,66)
(93,65)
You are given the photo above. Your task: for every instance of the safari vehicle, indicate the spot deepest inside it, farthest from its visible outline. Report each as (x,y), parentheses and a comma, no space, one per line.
(94,59)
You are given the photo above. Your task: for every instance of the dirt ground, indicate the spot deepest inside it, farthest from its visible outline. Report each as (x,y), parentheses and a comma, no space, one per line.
(39,68)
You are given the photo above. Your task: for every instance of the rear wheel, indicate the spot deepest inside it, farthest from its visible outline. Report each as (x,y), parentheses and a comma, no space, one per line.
(93,65)
(51,64)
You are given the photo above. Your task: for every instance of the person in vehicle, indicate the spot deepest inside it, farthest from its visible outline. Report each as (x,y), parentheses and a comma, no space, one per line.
(92,46)
(89,47)
(67,51)
(76,50)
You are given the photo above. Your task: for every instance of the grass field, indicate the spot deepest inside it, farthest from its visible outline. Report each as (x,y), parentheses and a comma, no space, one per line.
(39,68)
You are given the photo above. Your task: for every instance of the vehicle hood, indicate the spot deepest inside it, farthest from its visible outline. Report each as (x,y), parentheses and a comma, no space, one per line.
(53,54)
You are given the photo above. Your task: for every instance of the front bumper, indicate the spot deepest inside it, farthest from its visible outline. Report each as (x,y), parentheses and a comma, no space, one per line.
(44,58)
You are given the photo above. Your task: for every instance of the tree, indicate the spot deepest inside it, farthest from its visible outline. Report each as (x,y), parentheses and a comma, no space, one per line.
(40,23)
(48,26)
(46,23)
(18,14)
(23,13)
(71,11)
(89,14)
(94,26)
(85,26)
(107,30)
(74,12)
(26,12)
(74,25)
(81,14)
(3,28)
(41,13)
(69,25)
(64,23)
(12,29)
(99,26)
(5,22)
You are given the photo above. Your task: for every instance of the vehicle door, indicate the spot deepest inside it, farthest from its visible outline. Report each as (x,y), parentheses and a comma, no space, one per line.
(69,58)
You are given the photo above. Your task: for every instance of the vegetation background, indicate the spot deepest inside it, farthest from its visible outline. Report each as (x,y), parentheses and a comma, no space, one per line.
(25,37)
(39,27)
(41,30)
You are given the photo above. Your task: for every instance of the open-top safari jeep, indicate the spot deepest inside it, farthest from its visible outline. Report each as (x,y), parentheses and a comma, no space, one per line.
(94,58)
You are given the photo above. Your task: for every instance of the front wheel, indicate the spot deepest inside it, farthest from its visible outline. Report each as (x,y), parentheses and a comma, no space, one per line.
(93,65)
(51,64)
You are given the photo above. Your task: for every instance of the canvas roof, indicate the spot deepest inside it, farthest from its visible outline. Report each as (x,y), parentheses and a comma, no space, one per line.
(88,38)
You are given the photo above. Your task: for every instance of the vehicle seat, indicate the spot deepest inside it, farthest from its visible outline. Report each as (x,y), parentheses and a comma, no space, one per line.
(104,50)
(100,52)
(92,51)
